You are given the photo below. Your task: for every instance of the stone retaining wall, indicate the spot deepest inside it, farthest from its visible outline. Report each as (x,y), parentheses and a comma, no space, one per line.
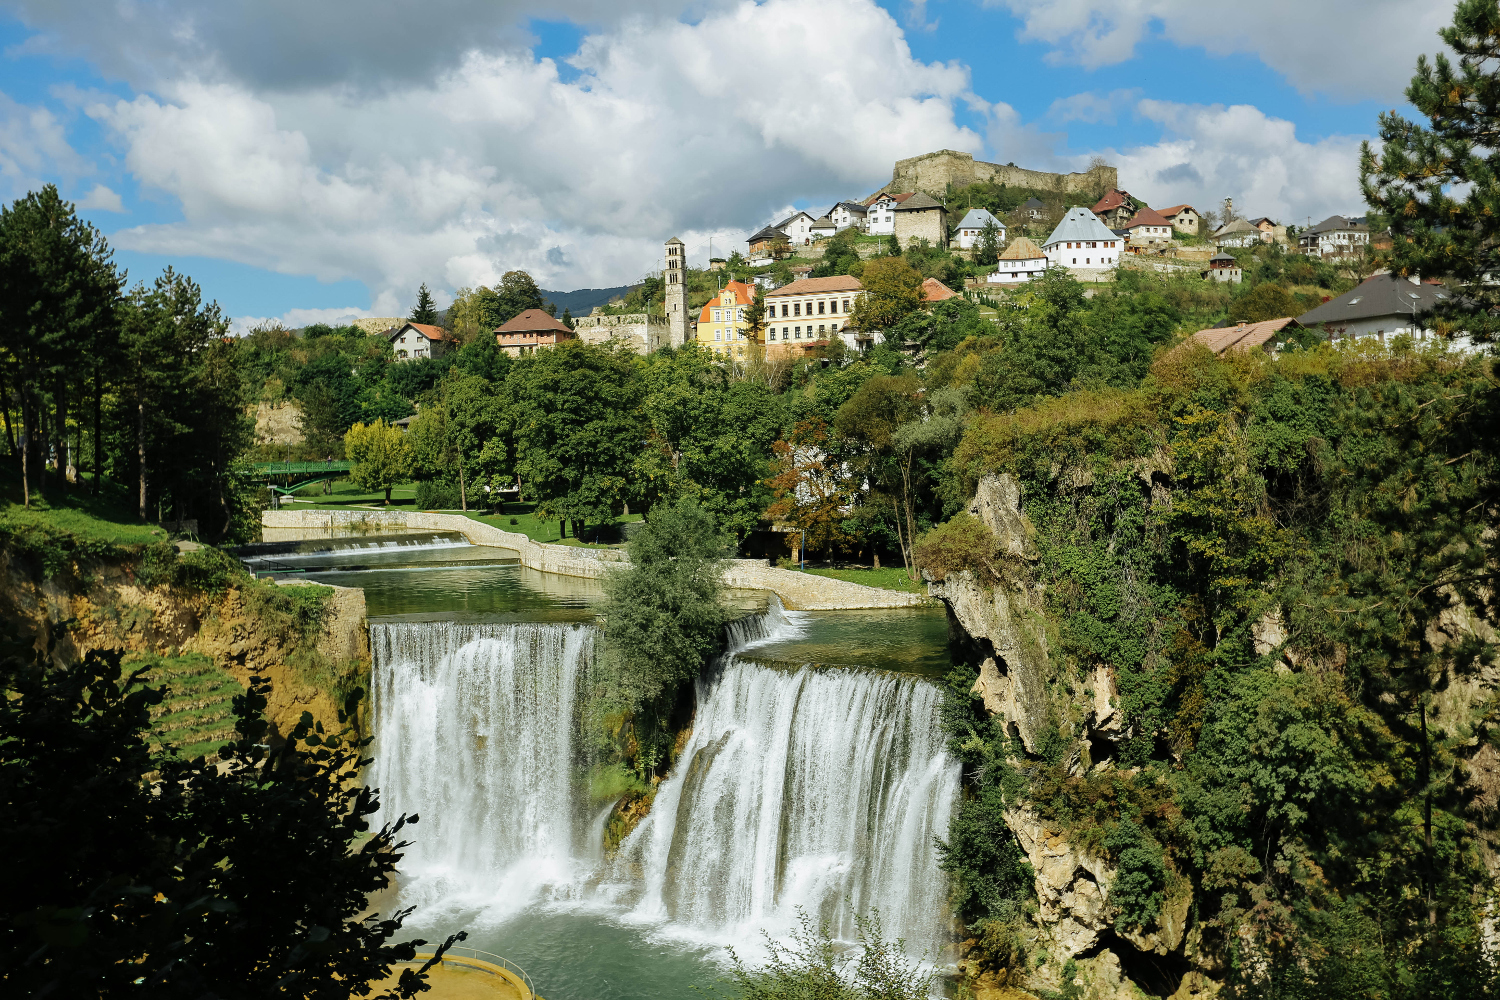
(800,591)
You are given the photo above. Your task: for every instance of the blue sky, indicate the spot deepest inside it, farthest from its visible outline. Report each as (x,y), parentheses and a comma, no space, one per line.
(310,161)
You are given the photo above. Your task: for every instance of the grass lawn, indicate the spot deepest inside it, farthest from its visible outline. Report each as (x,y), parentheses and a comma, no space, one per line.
(885,578)
(108,519)
(195,716)
(346,494)
(526,522)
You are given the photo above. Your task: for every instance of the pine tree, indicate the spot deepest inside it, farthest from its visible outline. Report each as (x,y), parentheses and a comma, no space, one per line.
(1438,186)
(567,319)
(425,311)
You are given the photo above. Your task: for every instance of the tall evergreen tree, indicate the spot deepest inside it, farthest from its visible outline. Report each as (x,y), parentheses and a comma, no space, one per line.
(517,293)
(425,311)
(1438,186)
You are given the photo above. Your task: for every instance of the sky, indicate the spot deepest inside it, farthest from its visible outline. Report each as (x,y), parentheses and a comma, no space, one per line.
(312,161)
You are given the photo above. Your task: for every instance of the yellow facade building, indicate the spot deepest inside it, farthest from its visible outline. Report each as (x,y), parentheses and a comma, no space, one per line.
(722,325)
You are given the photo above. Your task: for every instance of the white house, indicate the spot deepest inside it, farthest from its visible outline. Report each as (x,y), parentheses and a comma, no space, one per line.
(1148,228)
(1383,306)
(1021,261)
(848,213)
(1082,243)
(881,220)
(1237,233)
(417,340)
(798,228)
(972,225)
(1335,236)
(823,228)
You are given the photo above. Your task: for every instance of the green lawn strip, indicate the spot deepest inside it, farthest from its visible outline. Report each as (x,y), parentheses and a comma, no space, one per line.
(519,517)
(885,578)
(195,717)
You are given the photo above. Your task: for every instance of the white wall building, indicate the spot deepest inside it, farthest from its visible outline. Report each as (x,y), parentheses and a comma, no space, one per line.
(881,220)
(1021,261)
(1082,243)
(1383,306)
(972,225)
(798,228)
(848,213)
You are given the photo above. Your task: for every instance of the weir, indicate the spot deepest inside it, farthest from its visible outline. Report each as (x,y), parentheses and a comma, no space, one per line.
(816,787)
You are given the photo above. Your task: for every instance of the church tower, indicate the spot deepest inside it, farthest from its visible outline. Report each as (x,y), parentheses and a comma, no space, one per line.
(674,277)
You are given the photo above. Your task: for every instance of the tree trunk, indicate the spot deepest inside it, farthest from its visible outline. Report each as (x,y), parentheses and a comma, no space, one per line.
(562,528)
(10,434)
(25,453)
(463,495)
(387,496)
(60,437)
(140,451)
(901,541)
(98,433)
(1431,877)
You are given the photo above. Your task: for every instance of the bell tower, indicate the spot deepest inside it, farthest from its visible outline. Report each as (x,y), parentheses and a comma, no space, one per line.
(674,278)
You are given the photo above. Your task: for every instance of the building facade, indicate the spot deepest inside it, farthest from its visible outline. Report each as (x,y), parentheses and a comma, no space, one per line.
(1082,243)
(1223,267)
(1115,209)
(531,331)
(1184,218)
(809,311)
(1334,237)
(1148,228)
(418,340)
(922,217)
(1382,307)
(642,332)
(798,228)
(1021,261)
(721,321)
(848,213)
(880,219)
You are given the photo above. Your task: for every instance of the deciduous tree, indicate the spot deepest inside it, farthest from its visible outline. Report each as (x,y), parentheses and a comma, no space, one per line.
(379,455)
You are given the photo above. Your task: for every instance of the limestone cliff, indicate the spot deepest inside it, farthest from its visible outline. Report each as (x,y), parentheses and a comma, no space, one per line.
(102,605)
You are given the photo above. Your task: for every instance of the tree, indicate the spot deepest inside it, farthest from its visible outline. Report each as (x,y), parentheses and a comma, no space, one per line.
(663,615)
(516,294)
(892,290)
(987,252)
(893,246)
(425,311)
(567,318)
(811,966)
(811,489)
(840,254)
(379,456)
(1265,301)
(139,871)
(869,420)
(573,416)
(1438,186)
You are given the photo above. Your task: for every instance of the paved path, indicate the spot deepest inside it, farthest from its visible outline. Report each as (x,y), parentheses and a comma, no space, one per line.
(798,591)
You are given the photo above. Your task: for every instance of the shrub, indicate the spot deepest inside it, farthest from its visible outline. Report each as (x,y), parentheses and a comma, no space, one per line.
(204,569)
(962,543)
(437,495)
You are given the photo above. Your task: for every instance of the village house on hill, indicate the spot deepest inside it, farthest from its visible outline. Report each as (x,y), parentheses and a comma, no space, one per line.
(529,332)
(971,227)
(1148,228)
(1382,306)
(418,340)
(922,217)
(1334,237)
(1032,210)
(1082,244)
(807,312)
(1115,209)
(767,244)
(1185,218)
(1223,267)
(848,213)
(721,322)
(798,228)
(1236,233)
(1021,261)
(880,219)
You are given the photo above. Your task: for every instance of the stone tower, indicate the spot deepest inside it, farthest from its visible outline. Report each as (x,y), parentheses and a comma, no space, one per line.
(674,277)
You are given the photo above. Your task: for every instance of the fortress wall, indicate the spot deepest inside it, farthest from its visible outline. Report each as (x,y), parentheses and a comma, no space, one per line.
(933,172)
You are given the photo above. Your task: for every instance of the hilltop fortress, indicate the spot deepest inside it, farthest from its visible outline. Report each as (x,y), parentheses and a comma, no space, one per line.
(933,172)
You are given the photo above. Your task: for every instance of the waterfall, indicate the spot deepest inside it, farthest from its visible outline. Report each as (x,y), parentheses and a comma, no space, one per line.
(475,728)
(819,788)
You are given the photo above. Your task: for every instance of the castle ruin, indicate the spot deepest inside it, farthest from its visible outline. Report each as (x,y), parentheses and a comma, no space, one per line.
(933,172)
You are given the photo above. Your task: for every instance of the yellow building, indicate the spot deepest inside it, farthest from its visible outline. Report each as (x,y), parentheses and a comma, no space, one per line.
(721,324)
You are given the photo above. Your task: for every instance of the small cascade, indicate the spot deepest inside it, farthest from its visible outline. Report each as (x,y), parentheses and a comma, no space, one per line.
(475,728)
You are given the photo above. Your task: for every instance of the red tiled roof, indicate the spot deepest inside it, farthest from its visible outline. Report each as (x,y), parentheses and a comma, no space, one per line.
(897,198)
(743,296)
(1169,212)
(817,286)
(1113,198)
(533,321)
(425,329)
(1244,337)
(1147,217)
(934,290)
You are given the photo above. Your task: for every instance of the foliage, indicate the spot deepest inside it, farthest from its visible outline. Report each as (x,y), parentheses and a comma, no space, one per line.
(380,456)
(238,879)
(892,290)
(987,250)
(813,967)
(840,254)
(961,543)
(203,570)
(294,611)
(811,492)
(425,310)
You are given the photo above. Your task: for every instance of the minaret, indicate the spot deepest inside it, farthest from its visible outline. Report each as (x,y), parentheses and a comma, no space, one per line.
(674,277)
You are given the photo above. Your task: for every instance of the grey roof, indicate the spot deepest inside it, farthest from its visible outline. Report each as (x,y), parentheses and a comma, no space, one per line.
(1235,226)
(824,223)
(1033,203)
(852,206)
(1080,224)
(1221,255)
(1335,223)
(919,202)
(788,220)
(768,233)
(1381,295)
(976,218)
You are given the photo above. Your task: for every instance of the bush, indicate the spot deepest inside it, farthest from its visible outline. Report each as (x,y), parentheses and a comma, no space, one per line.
(296,611)
(438,495)
(962,543)
(204,569)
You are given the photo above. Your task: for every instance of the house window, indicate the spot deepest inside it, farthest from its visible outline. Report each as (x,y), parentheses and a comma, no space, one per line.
(797,331)
(820,307)
(796,309)
(820,327)
(846,305)
(716,335)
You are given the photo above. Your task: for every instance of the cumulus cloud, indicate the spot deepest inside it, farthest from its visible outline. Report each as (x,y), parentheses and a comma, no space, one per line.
(294,319)
(1211,152)
(1352,49)
(102,199)
(33,145)
(1091,108)
(498,163)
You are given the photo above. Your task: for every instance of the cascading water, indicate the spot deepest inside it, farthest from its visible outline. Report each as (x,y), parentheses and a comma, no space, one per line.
(475,733)
(814,787)
(819,788)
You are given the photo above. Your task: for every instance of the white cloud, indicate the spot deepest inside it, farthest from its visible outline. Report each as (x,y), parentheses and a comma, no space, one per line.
(498,164)
(1353,49)
(33,146)
(1211,152)
(101,199)
(1091,108)
(294,319)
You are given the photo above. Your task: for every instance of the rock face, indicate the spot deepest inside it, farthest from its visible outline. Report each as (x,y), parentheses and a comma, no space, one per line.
(1001,627)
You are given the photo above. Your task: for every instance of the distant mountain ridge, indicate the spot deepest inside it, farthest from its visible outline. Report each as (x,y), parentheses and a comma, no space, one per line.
(582,301)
